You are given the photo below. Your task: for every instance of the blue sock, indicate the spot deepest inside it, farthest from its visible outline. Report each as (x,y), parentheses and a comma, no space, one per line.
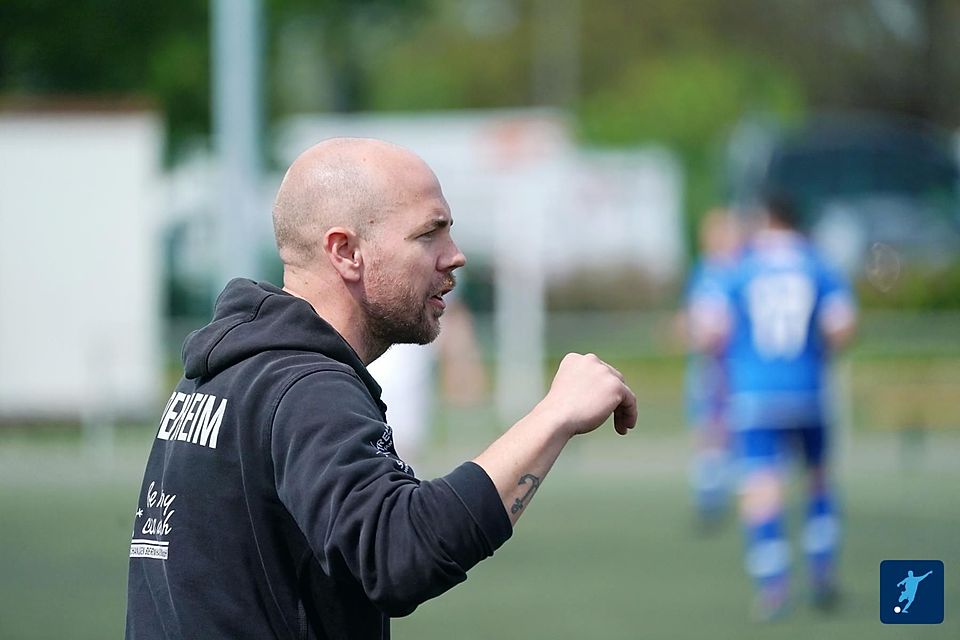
(821,537)
(768,553)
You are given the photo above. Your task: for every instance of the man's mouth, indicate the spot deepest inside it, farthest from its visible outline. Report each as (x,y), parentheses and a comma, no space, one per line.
(438,300)
(447,287)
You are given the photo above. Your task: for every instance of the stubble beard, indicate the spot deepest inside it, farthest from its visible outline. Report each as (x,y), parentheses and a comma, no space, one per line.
(399,315)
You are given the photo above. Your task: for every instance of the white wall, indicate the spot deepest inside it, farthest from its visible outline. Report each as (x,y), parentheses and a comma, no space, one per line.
(79,268)
(621,209)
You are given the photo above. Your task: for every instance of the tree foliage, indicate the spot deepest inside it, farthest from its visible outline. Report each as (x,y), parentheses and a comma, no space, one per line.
(677,72)
(157,50)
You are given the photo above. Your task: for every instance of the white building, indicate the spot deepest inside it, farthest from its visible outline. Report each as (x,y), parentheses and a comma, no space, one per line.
(79,269)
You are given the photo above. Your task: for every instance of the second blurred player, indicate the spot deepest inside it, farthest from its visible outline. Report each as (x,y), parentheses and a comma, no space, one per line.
(706,376)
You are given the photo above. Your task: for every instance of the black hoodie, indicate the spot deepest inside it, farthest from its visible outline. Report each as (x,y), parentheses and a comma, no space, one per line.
(274,504)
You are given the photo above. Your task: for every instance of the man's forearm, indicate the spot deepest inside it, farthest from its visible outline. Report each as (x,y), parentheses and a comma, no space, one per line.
(518,461)
(584,393)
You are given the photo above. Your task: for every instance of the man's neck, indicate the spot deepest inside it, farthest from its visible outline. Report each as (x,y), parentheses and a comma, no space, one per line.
(338,310)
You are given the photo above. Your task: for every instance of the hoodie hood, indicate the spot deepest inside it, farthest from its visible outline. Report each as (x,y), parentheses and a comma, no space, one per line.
(252,317)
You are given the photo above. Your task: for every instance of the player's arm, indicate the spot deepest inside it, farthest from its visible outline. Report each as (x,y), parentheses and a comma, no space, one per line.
(925,575)
(837,315)
(584,393)
(838,322)
(709,317)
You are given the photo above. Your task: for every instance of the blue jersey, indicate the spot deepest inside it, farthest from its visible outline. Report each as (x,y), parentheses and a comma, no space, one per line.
(778,301)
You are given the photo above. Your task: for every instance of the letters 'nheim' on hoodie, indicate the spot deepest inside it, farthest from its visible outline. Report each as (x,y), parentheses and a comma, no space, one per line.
(274,504)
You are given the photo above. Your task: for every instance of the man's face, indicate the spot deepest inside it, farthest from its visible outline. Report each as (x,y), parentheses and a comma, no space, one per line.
(411,261)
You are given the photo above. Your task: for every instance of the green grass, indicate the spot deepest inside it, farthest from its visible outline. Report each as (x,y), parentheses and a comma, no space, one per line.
(606,550)
(65,524)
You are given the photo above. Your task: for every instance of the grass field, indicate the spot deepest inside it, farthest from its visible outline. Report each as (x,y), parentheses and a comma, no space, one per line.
(607,549)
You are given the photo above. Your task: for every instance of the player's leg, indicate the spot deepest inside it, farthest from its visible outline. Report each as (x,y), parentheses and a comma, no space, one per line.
(762,512)
(710,468)
(710,474)
(821,536)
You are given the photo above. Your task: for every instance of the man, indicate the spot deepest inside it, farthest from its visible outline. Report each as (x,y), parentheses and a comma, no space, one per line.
(781,315)
(274,504)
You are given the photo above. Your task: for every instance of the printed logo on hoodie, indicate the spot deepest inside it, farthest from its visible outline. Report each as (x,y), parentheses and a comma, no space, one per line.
(192,417)
(157,512)
(384,447)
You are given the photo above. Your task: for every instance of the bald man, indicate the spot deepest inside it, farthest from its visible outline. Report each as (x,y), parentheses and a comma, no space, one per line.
(274,504)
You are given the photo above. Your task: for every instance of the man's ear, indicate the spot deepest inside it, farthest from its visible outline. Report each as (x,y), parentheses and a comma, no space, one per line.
(342,247)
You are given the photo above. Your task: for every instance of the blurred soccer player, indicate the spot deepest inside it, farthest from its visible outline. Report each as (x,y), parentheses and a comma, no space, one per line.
(781,315)
(706,377)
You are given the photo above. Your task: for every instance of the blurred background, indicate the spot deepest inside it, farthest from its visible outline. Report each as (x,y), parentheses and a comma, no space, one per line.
(578,143)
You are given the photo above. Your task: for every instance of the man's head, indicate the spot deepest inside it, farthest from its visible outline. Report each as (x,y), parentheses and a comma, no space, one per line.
(782,211)
(363,231)
(719,234)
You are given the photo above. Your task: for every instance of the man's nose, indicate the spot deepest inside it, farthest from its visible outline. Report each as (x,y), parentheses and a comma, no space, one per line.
(455,258)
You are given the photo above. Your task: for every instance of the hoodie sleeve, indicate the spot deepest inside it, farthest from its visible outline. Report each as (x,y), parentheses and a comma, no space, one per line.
(367,519)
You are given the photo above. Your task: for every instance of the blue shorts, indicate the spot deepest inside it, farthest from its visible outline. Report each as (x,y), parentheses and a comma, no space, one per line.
(772,447)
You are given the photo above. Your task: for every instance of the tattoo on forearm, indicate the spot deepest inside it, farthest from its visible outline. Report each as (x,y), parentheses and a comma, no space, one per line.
(522,501)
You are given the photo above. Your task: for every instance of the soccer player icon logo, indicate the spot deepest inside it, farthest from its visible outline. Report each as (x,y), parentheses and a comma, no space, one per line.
(903,600)
(909,584)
